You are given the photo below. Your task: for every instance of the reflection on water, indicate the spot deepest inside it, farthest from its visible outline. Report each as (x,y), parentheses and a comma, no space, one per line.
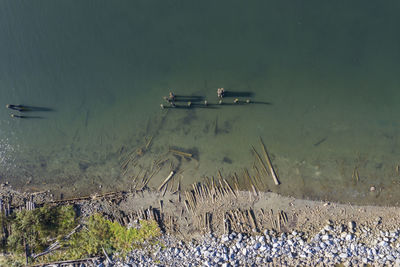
(321,79)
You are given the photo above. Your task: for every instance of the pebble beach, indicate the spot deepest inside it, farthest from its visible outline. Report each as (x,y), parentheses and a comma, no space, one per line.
(332,245)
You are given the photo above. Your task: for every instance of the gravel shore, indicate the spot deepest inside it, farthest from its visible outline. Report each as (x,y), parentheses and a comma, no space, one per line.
(333,244)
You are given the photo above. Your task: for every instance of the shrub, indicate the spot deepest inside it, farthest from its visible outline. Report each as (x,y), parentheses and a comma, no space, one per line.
(90,242)
(125,239)
(41,227)
(112,236)
(38,228)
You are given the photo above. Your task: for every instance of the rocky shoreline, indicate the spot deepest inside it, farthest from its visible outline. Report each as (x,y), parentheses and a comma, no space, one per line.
(332,245)
(241,228)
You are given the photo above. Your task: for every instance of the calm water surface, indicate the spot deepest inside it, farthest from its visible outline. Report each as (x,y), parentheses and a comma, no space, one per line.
(323,78)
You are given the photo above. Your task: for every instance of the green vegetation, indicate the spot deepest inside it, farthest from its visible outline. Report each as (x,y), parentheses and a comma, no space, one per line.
(33,231)
(39,228)
(36,230)
(111,236)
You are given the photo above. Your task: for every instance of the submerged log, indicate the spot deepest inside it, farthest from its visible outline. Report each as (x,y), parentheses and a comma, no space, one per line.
(180,153)
(166,180)
(271,168)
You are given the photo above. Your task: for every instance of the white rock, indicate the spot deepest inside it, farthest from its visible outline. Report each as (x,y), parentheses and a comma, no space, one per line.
(216,259)
(352,225)
(383,244)
(330,255)
(390,258)
(343,255)
(240,236)
(382,256)
(325,237)
(263,248)
(308,250)
(244,252)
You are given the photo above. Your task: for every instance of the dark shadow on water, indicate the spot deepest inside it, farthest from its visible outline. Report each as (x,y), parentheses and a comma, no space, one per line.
(238,94)
(261,102)
(214,106)
(193,106)
(184,98)
(244,103)
(25,108)
(25,117)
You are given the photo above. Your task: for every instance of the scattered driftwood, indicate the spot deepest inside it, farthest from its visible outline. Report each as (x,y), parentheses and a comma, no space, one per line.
(247,175)
(356,175)
(180,153)
(108,258)
(260,161)
(147,179)
(56,245)
(87,261)
(166,180)
(110,194)
(271,168)
(148,143)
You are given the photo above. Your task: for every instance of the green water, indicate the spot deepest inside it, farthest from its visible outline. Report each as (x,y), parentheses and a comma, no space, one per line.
(330,71)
